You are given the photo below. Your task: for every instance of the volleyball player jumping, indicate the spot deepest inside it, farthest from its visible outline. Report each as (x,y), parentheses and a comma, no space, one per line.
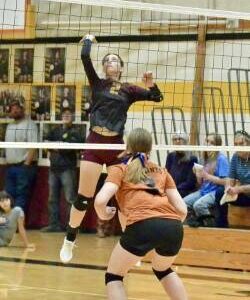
(111,100)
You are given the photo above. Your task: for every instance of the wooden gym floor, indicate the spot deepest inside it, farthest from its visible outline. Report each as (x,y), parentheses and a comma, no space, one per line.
(40,275)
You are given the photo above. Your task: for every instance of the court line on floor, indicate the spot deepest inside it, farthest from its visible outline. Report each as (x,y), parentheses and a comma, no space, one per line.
(68,265)
(62,291)
(52,263)
(134,271)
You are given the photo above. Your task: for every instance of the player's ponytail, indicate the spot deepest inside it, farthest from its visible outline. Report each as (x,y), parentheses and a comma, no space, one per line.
(139,145)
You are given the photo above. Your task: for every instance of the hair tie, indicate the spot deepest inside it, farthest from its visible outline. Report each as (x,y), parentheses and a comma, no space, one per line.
(142,157)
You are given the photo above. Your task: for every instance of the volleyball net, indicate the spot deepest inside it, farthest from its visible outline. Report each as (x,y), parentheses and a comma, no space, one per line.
(199,59)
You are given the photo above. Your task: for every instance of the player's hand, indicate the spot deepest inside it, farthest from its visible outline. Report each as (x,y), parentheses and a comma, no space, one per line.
(109,214)
(204,174)
(90,37)
(232,190)
(30,247)
(198,173)
(148,79)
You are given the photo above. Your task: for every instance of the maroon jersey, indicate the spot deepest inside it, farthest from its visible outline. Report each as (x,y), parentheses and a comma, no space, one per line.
(109,105)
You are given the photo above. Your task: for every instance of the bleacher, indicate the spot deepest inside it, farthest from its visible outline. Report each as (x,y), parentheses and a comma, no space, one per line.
(227,248)
(239,217)
(215,248)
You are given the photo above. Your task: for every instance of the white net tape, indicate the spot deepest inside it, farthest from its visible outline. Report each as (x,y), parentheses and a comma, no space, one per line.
(161,8)
(160,147)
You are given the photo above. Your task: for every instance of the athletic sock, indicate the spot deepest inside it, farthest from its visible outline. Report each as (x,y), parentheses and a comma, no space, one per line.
(71,233)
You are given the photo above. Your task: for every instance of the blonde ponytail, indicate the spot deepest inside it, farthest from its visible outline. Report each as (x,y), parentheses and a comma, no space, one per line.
(135,172)
(139,145)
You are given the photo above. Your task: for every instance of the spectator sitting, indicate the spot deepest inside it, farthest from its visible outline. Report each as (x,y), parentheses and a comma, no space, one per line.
(210,177)
(62,172)
(21,163)
(11,218)
(180,166)
(238,183)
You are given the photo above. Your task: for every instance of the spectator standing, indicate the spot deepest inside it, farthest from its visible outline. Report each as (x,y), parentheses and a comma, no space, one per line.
(62,172)
(21,163)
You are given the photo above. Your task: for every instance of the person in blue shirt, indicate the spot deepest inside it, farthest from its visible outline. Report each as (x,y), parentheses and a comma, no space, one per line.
(210,178)
(238,183)
(180,165)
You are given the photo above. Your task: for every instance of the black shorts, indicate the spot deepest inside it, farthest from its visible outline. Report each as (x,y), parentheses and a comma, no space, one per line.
(163,235)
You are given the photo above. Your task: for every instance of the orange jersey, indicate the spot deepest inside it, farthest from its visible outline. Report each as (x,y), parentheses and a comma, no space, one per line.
(135,200)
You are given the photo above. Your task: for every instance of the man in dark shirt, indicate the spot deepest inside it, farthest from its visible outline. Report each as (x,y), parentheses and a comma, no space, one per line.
(62,172)
(180,165)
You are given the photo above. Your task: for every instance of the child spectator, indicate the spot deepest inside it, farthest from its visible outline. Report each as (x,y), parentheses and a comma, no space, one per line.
(11,219)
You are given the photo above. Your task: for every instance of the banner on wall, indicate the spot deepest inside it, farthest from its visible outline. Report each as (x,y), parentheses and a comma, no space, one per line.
(41,103)
(4,65)
(55,65)
(23,68)
(10,93)
(65,99)
(85,103)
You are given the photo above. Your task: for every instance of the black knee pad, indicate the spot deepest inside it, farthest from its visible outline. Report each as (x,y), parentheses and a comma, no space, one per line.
(81,202)
(162,274)
(112,277)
